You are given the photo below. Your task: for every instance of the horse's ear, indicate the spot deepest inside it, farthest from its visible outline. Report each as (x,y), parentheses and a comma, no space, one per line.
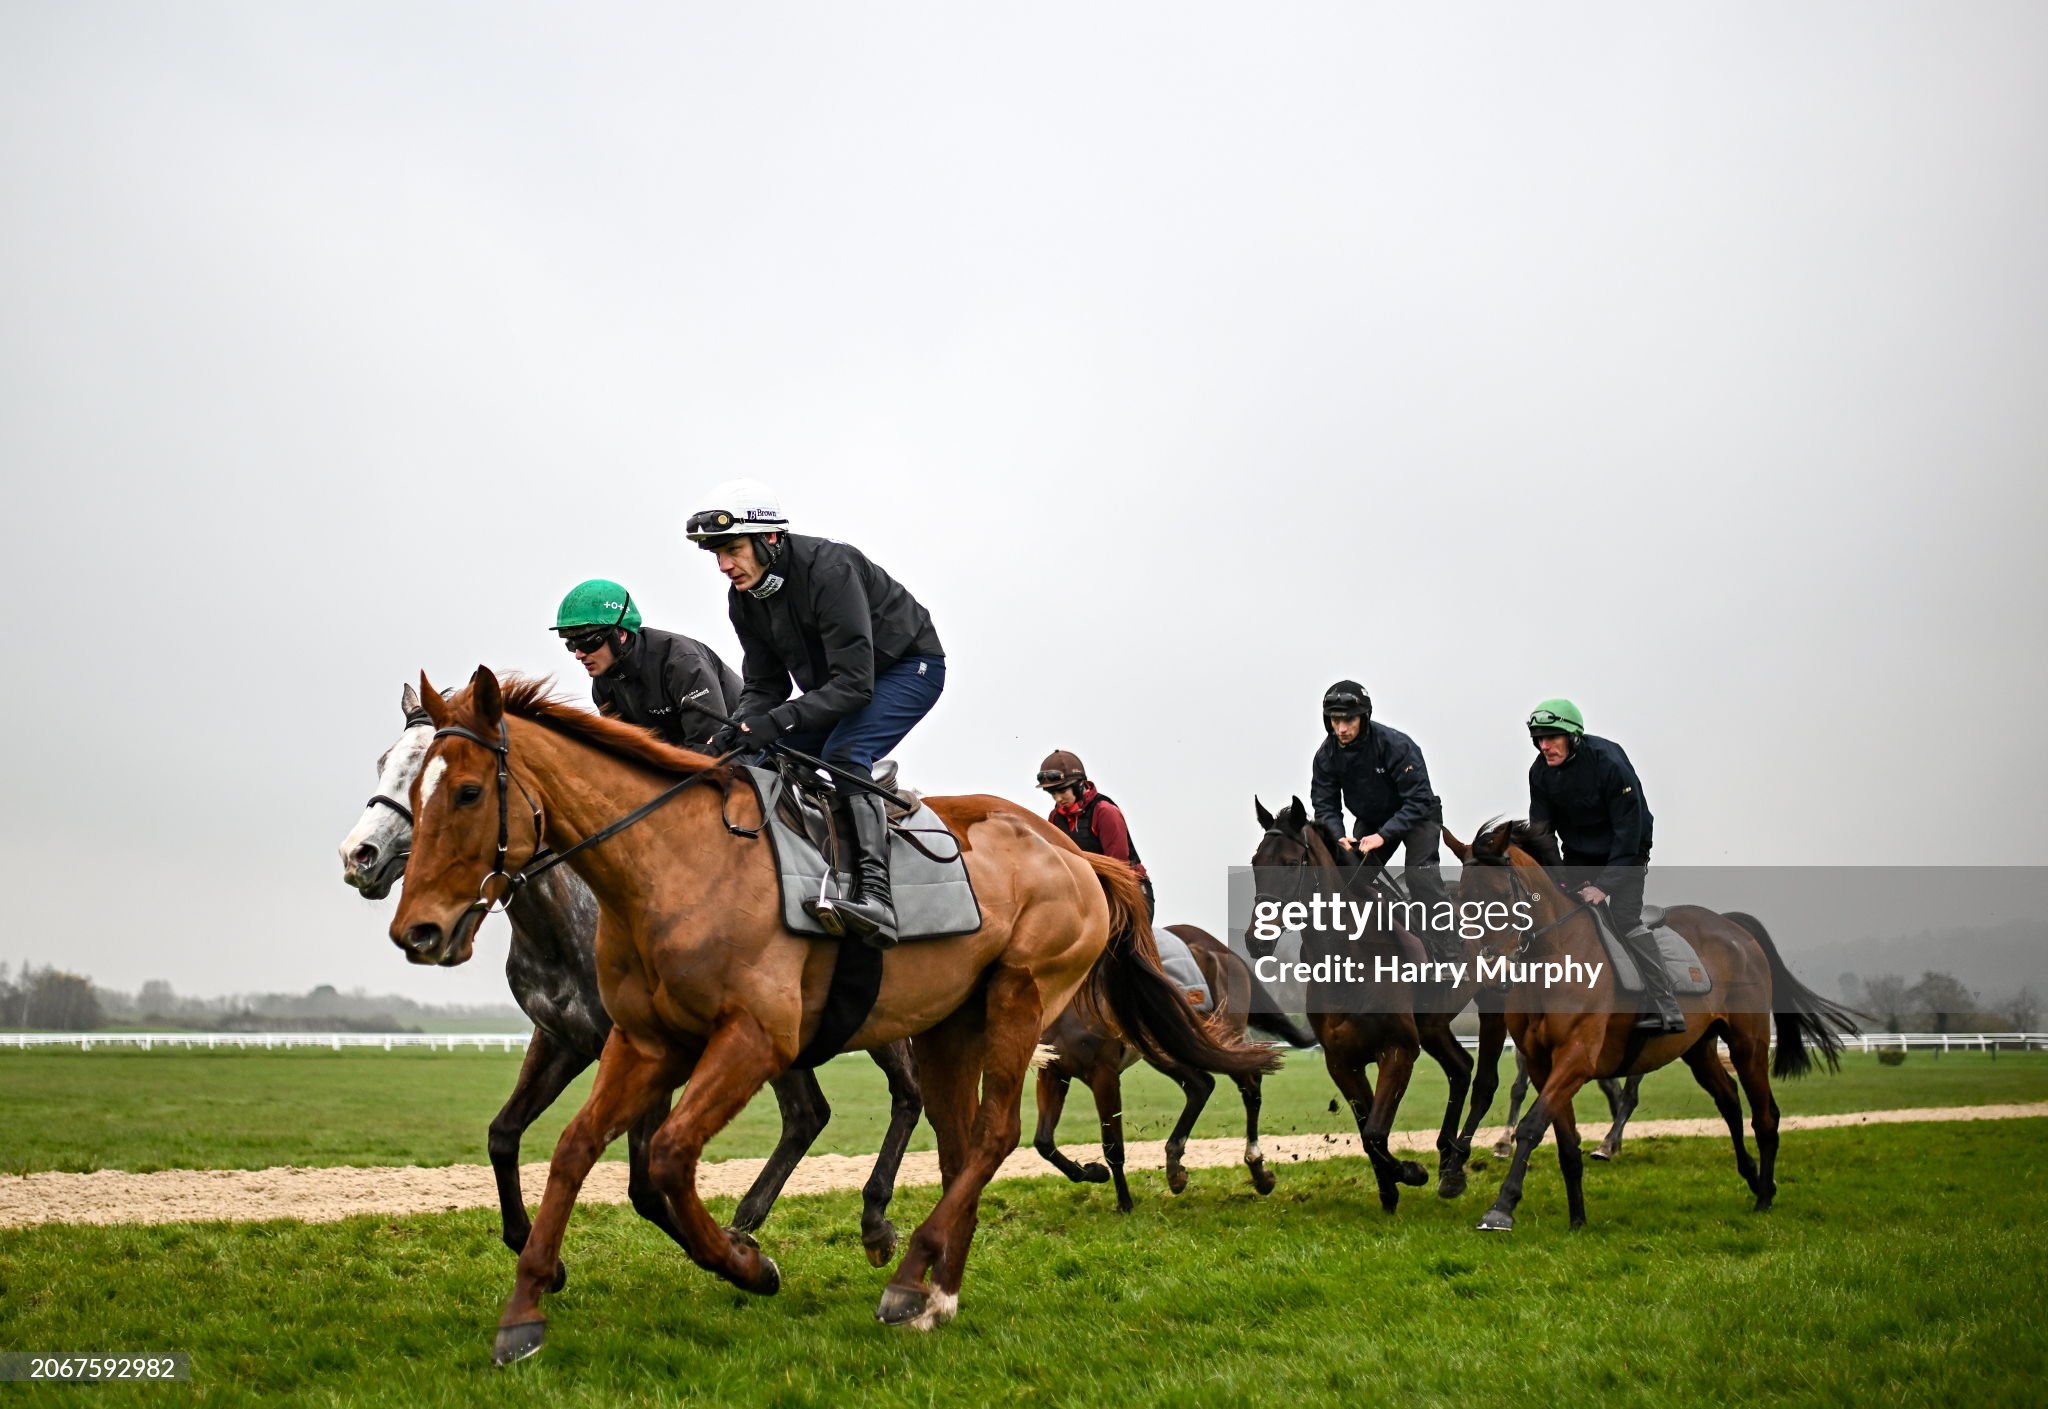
(409,701)
(485,697)
(1265,817)
(1458,848)
(430,699)
(1297,815)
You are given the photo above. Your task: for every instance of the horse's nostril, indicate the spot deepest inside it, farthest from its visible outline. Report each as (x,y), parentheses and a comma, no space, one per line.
(421,937)
(365,855)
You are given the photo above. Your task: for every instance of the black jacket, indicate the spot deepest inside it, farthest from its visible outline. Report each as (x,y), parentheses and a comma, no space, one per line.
(647,684)
(837,622)
(1595,803)
(1381,777)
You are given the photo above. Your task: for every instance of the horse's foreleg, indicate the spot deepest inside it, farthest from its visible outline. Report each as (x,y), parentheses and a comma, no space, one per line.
(906,1104)
(805,1113)
(1196,1087)
(1397,1065)
(1515,1094)
(628,1082)
(1251,1088)
(1013,1020)
(737,1060)
(545,1073)
(1107,1085)
(648,1201)
(1528,1134)
(1571,1160)
(1452,1149)
(1493,1031)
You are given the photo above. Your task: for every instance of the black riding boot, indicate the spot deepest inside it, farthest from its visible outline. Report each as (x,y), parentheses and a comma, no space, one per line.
(1665,1015)
(868,913)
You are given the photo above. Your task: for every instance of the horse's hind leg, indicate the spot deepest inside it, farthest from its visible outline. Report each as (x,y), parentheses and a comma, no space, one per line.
(1052,1100)
(647,1200)
(628,1082)
(1014,1019)
(736,1061)
(1197,1086)
(1451,1149)
(805,1113)
(1493,1031)
(545,1073)
(1749,1047)
(1106,1081)
(906,1104)
(1252,1089)
(1704,1061)
(1622,1099)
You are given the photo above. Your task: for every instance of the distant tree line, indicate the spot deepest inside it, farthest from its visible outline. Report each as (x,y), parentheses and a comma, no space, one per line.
(1938,1002)
(50,999)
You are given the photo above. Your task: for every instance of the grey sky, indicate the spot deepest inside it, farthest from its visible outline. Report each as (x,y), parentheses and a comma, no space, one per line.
(1181,358)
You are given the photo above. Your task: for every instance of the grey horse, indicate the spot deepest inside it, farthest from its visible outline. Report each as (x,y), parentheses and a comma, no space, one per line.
(552,968)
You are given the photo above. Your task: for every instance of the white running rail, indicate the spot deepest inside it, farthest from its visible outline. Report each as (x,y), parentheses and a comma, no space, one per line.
(150,1041)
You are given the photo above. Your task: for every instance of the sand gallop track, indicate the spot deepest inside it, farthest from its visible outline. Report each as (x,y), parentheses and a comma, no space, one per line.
(323,1195)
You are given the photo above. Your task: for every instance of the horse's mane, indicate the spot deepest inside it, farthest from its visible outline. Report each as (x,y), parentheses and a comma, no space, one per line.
(534,699)
(1536,838)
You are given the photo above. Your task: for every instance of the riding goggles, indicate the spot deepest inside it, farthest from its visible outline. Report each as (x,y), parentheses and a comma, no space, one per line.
(588,643)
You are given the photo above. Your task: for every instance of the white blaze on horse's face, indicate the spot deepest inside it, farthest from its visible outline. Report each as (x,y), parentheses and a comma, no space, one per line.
(373,854)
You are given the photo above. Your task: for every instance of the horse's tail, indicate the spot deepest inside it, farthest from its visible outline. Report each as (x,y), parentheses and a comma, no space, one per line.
(1267,1018)
(1128,984)
(1802,1015)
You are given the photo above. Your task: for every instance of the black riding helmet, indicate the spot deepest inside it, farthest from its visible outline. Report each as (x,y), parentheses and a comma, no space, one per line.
(1347,699)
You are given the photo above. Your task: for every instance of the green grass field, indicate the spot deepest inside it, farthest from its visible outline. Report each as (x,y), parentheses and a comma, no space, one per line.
(248,1110)
(1902,1264)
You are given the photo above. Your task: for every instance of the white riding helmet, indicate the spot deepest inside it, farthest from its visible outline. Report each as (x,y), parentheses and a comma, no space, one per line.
(738,506)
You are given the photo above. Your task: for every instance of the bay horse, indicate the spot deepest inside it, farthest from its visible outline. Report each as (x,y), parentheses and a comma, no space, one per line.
(707,987)
(551,967)
(1384,1024)
(1097,1056)
(1572,1037)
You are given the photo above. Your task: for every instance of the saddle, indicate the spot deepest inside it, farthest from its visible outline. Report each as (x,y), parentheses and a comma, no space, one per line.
(1179,962)
(927,875)
(1688,974)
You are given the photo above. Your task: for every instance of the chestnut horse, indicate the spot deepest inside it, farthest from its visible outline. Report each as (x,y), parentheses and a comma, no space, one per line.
(1384,1024)
(705,985)
(1571,1037)
(1097,1056)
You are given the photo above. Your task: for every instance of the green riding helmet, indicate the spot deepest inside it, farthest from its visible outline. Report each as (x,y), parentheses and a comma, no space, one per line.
(1557,717)
(597,603)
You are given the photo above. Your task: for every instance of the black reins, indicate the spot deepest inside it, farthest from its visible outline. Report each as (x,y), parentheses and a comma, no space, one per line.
(543,859)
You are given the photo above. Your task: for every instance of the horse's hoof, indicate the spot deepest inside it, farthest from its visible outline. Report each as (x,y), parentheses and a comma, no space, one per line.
(1503,1148)
(1413,1174)
(561,1276)
(880,1243)
(900,1306)
(1497,1222)
(1094,1174)
(516,1343)
(940,1308)
(1177,1180)
(1451,1185)
(766,1282)
(741,1238)
(1763,1204)
(1601,1153)
(1262,1179)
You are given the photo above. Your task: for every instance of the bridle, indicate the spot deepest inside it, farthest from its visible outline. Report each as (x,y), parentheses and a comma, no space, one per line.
(542,858)
(1519,890)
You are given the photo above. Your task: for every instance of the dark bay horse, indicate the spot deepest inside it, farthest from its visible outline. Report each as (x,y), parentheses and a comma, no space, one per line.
(1572,1037)
(1097,1056)
(706,986)
(551,965)
(1383,1024)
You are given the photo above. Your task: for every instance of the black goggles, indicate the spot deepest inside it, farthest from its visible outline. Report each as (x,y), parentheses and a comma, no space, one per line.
(710,522)
(590,642)
(1343,706)
(1053,778)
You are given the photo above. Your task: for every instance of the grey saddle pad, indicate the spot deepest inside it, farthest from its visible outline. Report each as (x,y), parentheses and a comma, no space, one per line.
(1179,962)
(1688,974)
(933,898)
